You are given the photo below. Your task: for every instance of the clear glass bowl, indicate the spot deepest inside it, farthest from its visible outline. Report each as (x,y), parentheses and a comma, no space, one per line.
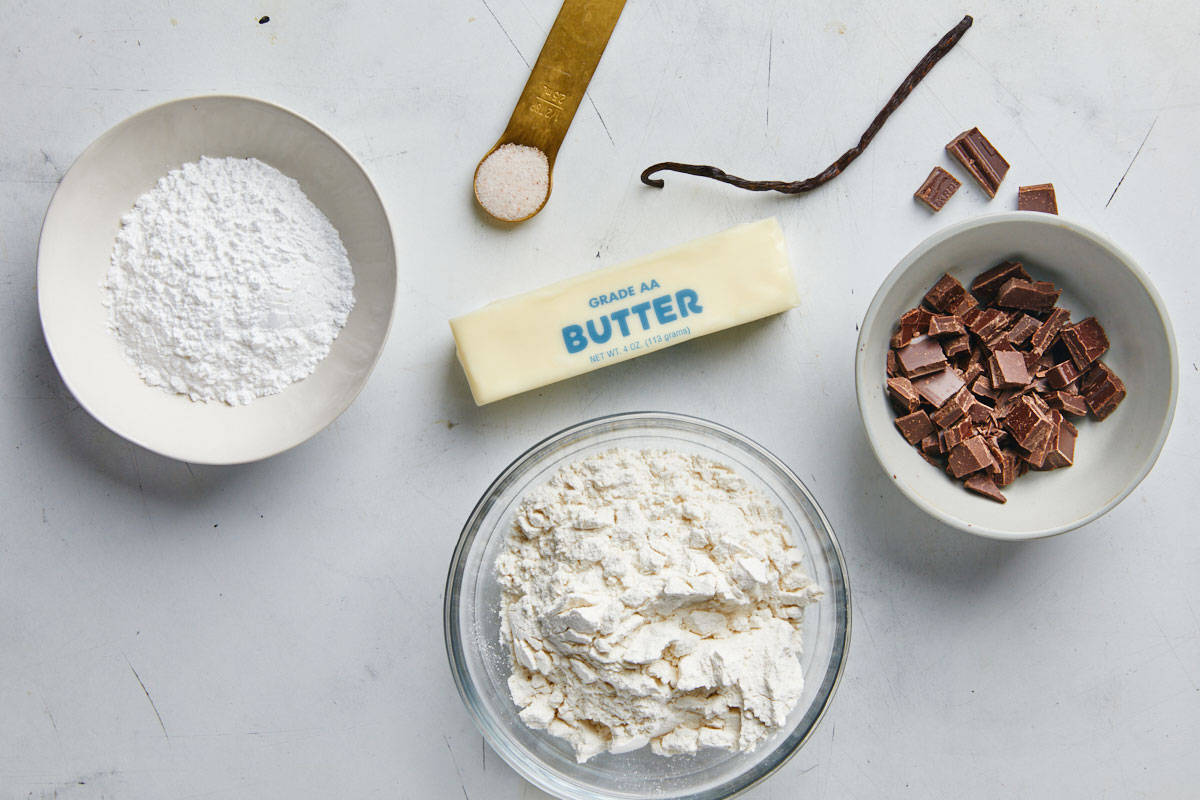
(480,662)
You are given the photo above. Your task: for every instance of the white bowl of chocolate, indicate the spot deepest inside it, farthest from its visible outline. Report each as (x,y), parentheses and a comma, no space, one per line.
(1016,375)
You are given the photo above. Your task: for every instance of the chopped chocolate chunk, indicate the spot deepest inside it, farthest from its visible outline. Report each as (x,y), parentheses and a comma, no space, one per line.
(989,322)
(913,323)
(1009,460)
(921,356)
(944,325)
(904,396)
(939,387)
(931,458)
(1062,375)
(893,366)
(1022,329)
(1039,197)
(1007,370)
(957,345)
(1068,403)
(932,444)
(982,387)
(1045,336)
(938,188)
(988,283)
(1026,295)
(1102,390)
(945,294)
(1085,341)
(915,426)
(951,436)
(970,456)
(953,409)
(979,413)
(1062,451)
(980,158)
(982,483)
(1029,425)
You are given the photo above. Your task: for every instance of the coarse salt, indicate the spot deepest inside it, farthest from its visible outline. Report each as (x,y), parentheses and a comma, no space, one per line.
(513,181)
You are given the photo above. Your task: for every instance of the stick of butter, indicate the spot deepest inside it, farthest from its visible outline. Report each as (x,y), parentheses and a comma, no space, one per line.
(620,312)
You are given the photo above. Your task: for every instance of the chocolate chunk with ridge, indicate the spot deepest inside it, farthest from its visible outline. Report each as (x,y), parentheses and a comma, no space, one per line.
(932,444)
(1061,452)
(1038,197)
(989,322)
(921,356)
(970,456)
(945,325)
(937,189)
(958,432)
(1068,403)
(913,323)
(1007,369)
(1022,329)
(904,396)
(1037,296)
(982,387)
(1044,337)
(1085,340)
(980,158)
(988,283)
(892,366)
(1029,425)
(939,387)
(1062,375)
(1009,461)
(1102,390)
(982,483)
(953,409)
(957,345)
(946,294)
(915,426)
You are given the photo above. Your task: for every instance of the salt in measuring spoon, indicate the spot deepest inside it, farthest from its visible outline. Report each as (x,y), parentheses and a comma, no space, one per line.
(544,111)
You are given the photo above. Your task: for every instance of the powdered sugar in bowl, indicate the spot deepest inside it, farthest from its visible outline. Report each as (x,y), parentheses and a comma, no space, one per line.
(482,664)
(281,410)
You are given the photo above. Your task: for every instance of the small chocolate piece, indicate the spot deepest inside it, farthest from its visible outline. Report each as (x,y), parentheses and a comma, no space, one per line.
(1009,461)
(1039,197)
(982,387)
(892,366)
(1007,370)
(953,409)
(980,158)
(932,444)
(1044,336)
(959,432)
(946,294)
(1068,403)
(957,345)
(938,188)
(1085,340)
(1037,296)
(945,325)
(904,396)
(988,283)
(982,483)
(1062,450)
(1102,390)
(1022,329)
(915,426)
(913,323)
(1029,425)
(921,356)
(989,322)
(939,387)
(1062,375)
(970,456)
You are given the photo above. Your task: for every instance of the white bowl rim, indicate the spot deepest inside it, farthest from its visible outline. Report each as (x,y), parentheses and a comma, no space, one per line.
(918,252)
(450,611)
(132,436)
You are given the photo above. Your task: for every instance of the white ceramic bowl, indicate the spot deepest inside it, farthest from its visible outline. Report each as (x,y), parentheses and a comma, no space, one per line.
(481,664)
(1097,278)
(76,244)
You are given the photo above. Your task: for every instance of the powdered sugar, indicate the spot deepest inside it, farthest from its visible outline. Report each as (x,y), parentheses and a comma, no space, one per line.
(512,182)
(652,598)
(226,282)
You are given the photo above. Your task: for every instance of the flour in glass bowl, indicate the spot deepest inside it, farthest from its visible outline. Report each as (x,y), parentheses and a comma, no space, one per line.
(226,282)
(652,598)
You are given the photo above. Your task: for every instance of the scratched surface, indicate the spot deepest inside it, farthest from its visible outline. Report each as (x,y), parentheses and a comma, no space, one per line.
(274,630)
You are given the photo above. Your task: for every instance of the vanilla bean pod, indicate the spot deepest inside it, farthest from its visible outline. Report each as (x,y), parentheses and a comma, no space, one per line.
(922,69)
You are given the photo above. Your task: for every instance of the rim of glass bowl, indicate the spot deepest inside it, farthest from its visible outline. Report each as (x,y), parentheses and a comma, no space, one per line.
(529,767)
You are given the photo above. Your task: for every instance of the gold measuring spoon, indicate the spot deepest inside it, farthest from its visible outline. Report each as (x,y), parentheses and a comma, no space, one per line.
(547,105)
